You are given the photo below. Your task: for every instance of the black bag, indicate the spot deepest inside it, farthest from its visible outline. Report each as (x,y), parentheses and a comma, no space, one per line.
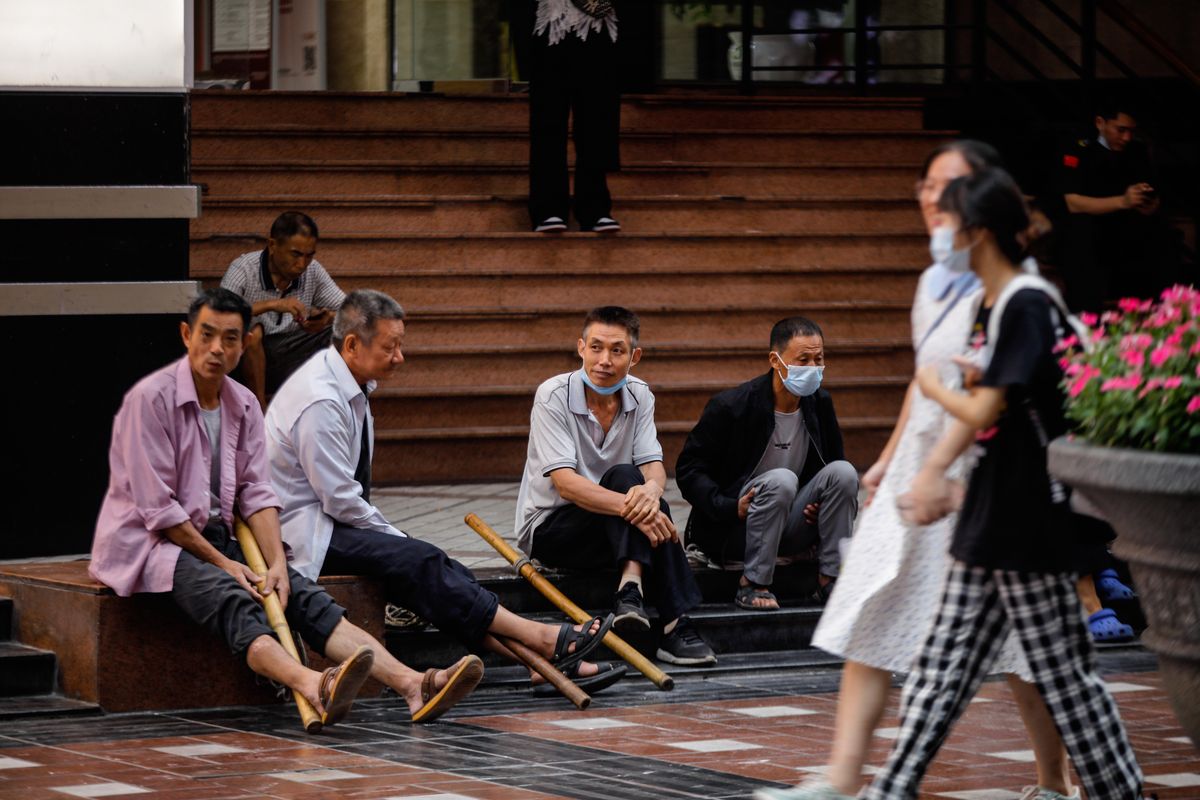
(594,8)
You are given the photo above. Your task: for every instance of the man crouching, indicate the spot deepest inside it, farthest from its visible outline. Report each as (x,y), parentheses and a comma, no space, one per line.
(187,447)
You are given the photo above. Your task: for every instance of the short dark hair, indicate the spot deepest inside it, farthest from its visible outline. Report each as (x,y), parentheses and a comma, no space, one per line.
(990,200)
(615,315)
(978,155)
(785,330)
(1112,106)
(360,312)
(291,223)
(220,300)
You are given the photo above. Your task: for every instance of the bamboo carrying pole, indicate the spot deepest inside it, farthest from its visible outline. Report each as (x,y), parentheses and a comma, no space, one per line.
(615,643)
(537,663)
(254,559)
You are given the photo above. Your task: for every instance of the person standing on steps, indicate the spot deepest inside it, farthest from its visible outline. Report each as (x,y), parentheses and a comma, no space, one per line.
(893,573)
(573,75)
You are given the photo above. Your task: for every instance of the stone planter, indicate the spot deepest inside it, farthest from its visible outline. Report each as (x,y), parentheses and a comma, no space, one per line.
(1152,500)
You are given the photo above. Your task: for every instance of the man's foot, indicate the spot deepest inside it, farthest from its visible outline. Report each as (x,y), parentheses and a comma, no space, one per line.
(811,789)
(440,690)
(683,646)
(821,595)
(550,225)
(602,225)
(755,598)
(339,685)
(629,614)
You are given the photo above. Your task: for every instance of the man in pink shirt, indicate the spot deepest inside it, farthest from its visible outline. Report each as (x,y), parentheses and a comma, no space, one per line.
(187,448)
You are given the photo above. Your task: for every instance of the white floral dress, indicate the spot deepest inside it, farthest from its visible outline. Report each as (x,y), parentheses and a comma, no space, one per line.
(891,581)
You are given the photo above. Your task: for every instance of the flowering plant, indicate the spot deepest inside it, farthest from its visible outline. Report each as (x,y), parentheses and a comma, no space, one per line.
(1139,386)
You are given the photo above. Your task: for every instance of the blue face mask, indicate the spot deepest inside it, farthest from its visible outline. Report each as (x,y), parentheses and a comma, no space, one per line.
(604,390)
(801,381)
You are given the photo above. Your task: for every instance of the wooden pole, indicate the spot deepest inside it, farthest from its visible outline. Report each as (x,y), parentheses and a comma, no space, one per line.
(615,643)
(254,559)
(541,666)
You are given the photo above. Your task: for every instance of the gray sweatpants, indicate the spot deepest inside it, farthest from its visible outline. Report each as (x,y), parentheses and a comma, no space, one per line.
(775,522)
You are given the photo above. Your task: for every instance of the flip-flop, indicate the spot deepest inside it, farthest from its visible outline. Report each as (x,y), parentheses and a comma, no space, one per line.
(607,674)
(467,674)
(1105,627)
(1110,588)
(585,641)
(746,594)
(340,684)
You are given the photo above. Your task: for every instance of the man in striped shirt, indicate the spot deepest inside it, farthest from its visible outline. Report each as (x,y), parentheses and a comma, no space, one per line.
(293,301)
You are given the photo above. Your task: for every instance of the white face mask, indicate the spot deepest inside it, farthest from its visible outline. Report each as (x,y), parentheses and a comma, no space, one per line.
(942,250)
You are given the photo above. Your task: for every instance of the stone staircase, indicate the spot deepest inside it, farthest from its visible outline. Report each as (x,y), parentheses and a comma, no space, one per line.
(28,676)
(736,211)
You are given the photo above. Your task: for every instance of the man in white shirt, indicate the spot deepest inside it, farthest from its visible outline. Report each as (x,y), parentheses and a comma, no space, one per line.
(319,441)
(591,495)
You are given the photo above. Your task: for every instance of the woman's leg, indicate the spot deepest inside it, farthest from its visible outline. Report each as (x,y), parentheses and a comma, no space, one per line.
(1053,764)
(861,699)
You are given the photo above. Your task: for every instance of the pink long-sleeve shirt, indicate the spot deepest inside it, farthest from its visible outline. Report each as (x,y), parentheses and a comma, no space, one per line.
(159,465)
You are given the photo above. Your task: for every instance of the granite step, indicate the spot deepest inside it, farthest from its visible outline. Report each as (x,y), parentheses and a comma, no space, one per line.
(322,178)
(25,670)
(6,618)
(44,705)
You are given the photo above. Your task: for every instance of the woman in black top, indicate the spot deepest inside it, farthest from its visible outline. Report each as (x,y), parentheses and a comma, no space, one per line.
(1013,551)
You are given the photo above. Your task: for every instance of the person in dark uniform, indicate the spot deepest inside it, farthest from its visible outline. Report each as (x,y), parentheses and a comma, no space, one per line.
(1117,241)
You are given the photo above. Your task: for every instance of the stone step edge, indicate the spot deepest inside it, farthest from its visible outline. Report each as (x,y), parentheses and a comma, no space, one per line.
(573,236)
(300,131)
(519,312)
(467,272)
(383,165)
(429,201)
(522,431)
(659,387)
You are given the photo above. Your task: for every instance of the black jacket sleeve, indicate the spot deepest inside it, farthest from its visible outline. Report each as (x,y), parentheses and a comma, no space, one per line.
(696,468)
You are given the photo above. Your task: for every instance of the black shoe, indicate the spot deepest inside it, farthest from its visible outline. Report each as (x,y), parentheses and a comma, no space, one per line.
(684,646)
(602,225)
(629,609)
(550,225)
(821,595)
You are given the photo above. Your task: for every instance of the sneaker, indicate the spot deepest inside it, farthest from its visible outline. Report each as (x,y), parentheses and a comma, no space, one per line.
(811,789)
(629,612)
(550,225)
(683,646)
(1039,793)
(602,225)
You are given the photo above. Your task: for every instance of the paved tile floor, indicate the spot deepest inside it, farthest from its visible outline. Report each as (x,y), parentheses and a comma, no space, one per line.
(714,738)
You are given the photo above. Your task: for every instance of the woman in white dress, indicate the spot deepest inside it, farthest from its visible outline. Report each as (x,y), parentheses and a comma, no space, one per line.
(892,577)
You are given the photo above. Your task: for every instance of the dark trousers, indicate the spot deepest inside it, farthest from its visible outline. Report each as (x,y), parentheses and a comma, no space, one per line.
(574,538)
(211,598)
(577,78)
(419,577)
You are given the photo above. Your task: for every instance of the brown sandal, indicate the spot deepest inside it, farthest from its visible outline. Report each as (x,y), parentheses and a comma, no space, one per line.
(466,675)
(340,684)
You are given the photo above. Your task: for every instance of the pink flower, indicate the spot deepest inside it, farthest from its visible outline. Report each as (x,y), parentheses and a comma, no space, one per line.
(1088,318)
(1111,316)
(1068,343)
(1132,305)
(1134,358)
(1173,382)
(1195,350)
(1179,293)
(1086,373)
(1071,368)
(1193,405)
(1162,354)
(1128,383)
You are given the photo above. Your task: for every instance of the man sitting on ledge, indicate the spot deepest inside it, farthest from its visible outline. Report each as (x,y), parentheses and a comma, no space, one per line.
(187,447)
(319,440)
(765,472)
(591,495)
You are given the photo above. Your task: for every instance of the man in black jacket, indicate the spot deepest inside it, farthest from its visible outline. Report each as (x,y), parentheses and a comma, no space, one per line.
(765,471)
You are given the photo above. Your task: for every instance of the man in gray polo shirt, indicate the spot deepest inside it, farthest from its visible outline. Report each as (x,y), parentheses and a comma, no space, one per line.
(591,495)
(293,300)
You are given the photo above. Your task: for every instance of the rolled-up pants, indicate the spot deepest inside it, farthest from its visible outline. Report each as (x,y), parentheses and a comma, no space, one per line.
(212,598)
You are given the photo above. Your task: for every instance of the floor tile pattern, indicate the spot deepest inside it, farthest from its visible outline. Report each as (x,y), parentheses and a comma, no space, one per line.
(711,738)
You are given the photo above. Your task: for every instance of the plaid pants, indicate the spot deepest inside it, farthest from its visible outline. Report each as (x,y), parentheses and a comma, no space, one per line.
(977,610)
